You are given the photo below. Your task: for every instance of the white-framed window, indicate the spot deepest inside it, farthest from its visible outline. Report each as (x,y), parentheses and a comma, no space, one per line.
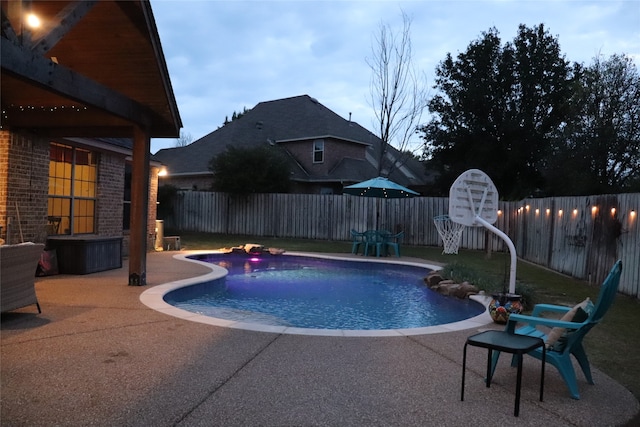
(318,151)
(73,177)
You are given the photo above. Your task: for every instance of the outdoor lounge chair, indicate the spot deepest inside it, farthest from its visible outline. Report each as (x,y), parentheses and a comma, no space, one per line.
(570,330)
(18,264)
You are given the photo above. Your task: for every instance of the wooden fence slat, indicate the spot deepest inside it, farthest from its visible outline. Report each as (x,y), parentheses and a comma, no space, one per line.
(581,236)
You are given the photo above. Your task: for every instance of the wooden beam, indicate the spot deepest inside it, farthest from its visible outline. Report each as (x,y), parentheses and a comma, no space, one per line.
(83,132)
(149,30)
(140,171)
(63,81)
(7,29)
(162,64)
(61,24)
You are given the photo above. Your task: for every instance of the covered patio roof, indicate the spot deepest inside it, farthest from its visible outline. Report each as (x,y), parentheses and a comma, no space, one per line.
(91,68)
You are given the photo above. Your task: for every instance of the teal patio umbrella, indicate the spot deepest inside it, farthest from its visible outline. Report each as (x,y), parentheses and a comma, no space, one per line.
(379,187)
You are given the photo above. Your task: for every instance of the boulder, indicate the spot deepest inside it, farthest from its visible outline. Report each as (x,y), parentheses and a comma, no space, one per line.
(449,287)
(442,289)
(432,280)
(465,289)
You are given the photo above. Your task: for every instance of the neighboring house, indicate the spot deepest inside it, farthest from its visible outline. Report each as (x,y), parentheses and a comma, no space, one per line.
(327,152)
(82,96)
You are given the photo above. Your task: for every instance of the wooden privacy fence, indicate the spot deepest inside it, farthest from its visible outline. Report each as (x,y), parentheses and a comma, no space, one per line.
(580,236)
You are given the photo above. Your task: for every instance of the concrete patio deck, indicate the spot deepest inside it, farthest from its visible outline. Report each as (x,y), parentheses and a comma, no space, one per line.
(98,356)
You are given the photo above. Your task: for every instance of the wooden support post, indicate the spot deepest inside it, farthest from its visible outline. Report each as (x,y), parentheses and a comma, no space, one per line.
(139,207)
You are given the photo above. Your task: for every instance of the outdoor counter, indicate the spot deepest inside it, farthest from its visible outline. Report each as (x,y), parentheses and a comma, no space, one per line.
(86,254)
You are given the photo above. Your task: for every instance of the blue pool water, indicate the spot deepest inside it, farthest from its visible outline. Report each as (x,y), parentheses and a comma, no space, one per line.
(320,293)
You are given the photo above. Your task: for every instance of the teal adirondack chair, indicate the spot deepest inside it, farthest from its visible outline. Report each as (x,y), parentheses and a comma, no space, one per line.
(560,356)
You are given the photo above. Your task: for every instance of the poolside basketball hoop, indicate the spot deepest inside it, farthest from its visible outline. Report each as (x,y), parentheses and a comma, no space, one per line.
(473,201)
(450,232)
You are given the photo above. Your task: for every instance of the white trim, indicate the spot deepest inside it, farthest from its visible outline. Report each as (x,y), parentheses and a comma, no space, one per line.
(327,136)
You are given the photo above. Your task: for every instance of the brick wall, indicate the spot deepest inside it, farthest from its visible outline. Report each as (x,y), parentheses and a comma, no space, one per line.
(334,152)
(153,208)
(23,191)
(110,195)
(151,217)
(4,166)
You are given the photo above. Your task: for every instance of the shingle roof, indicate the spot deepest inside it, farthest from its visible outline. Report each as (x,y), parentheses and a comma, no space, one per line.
(271,122)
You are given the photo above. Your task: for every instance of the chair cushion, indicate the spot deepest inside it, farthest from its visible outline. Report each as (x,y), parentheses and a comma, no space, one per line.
(556,339)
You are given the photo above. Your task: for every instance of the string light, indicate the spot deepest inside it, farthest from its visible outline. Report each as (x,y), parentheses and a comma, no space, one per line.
(44,108)
(594,210)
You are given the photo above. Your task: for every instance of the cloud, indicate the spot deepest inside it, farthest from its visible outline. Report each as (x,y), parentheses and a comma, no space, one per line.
(224,56)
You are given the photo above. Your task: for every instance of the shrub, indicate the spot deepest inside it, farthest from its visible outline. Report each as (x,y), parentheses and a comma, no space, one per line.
(489,283)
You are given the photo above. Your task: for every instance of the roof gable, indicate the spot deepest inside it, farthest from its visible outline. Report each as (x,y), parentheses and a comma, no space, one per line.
(280,121)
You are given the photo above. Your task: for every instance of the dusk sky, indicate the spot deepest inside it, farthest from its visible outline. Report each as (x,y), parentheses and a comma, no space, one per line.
(224,56)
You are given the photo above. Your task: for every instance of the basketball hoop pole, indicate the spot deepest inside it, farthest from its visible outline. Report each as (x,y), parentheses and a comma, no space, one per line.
(512,251)
(469,194)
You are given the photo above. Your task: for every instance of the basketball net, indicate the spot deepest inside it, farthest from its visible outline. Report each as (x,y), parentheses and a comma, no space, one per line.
(451,233)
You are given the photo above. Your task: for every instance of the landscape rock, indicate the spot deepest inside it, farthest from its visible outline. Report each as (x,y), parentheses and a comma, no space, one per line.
(448,287)
(433,279)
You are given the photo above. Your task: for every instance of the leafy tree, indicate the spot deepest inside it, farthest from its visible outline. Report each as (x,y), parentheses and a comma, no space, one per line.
(166,198)
(398,95)
(599,150)
(243,171)
(236,116)
(498,109)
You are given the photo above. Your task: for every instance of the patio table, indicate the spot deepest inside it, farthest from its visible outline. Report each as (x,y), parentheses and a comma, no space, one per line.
(509,343)
(375,239)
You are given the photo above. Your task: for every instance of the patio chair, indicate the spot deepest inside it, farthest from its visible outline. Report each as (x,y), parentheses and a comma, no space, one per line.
(18,265)
(394,241)
(357,240)
(565,339)
(374,240)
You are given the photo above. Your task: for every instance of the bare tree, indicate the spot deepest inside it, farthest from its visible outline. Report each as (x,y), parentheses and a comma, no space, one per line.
(398,93)
(184,139)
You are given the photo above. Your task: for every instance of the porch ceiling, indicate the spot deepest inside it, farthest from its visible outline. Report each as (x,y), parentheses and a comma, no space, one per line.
(92,69)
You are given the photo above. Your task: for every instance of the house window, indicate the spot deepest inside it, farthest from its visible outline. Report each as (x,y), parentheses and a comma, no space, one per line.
(73,176)
(318,151)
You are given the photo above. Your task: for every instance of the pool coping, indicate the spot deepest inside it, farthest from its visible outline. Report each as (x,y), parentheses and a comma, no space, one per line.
(153,298)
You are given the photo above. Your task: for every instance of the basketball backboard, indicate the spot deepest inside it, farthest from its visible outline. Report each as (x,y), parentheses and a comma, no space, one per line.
(473,194)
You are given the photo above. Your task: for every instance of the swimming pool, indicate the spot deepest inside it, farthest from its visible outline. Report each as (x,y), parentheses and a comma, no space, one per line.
(318,295)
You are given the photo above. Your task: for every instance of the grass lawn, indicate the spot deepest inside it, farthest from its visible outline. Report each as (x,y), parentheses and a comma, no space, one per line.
(613,346)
